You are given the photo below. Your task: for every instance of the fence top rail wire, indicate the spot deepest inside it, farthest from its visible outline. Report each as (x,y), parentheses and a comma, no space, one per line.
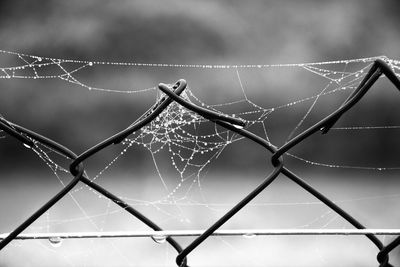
(188,233)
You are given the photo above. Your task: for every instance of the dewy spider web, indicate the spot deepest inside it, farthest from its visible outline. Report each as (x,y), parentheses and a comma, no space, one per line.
(191,144)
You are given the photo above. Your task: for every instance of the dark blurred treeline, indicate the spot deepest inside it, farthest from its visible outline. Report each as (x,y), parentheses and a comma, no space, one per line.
(209,32)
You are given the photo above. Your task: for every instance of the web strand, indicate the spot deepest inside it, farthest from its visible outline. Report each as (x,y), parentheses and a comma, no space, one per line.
(183,148)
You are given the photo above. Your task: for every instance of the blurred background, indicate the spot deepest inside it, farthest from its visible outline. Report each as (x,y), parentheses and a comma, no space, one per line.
(185,32)
(204,32)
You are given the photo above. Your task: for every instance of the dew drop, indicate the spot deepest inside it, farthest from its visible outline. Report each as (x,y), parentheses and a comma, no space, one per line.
(90,63)
(249,235)
(159,239)
(238,126)
(39,59)
(27,146)
(55,241)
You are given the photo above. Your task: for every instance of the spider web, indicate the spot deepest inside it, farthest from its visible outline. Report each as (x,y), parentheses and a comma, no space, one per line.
(188,186)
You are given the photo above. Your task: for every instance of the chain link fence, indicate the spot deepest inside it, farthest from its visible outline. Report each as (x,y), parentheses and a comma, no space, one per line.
(234,124)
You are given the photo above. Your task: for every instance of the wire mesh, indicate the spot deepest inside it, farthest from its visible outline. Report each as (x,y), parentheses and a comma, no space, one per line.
(276,156)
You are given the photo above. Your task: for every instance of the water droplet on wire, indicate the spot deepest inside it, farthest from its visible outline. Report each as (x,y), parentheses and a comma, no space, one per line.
(159,239)
(27,146)
(249,235)
(238,126)
(55,241)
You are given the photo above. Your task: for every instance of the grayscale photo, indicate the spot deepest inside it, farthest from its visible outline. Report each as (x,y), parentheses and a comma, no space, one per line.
(199,133)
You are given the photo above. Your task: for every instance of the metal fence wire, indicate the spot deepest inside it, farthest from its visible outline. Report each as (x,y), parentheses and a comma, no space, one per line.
(234,124)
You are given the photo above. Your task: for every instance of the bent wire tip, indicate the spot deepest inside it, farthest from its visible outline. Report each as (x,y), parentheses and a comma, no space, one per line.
(179,83)
(380,66)
(387,68)
(8,128)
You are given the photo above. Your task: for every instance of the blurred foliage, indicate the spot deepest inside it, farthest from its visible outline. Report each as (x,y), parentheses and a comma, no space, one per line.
(175,31)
